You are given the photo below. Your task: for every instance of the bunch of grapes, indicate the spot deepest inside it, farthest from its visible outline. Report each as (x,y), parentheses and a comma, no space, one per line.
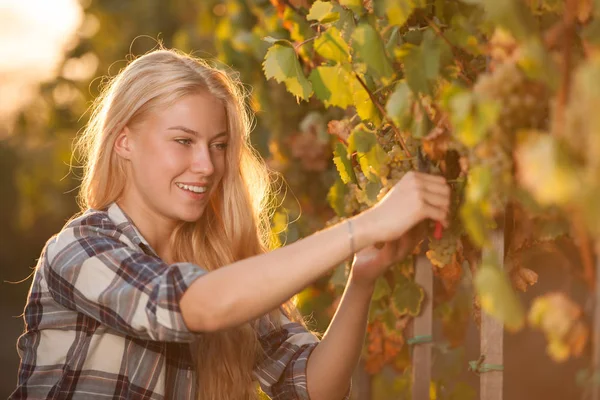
(523,103)
(500,163)
(441,251)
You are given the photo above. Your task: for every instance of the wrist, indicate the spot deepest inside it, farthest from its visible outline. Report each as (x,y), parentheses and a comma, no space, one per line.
(361,231)
(362,286)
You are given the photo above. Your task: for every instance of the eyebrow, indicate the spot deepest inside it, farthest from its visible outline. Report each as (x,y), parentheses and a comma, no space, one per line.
(192,132)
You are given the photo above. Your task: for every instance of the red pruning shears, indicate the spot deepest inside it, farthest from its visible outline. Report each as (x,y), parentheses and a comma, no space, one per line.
(425,166)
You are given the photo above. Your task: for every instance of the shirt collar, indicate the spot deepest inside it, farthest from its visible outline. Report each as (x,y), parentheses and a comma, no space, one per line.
(125,224)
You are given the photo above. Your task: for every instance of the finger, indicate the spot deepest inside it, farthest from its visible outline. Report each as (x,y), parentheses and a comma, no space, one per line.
(441,188)
(437,200)
(435,213)
(430,178)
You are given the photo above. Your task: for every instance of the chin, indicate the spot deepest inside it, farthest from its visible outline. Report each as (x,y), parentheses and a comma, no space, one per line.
(190,215)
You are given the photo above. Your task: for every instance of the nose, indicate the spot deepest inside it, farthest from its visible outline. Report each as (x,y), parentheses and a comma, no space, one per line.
(202,162)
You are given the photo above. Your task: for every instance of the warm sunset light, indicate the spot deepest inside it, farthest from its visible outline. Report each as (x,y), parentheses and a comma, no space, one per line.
(33,37)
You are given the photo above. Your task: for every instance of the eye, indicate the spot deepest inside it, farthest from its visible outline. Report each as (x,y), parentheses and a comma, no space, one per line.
(221,146)
(185,142)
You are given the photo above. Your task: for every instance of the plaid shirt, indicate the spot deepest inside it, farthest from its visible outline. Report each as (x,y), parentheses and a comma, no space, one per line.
(102,320)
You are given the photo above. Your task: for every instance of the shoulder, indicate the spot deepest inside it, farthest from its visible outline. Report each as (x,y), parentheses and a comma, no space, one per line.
(92,231)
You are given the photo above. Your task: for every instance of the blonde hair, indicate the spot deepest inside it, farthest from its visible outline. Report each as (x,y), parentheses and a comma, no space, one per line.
(234,227)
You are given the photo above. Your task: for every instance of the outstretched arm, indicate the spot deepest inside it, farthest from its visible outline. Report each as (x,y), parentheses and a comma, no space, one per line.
(244,290)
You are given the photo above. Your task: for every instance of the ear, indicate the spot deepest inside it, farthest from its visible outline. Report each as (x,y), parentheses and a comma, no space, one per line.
(124,144)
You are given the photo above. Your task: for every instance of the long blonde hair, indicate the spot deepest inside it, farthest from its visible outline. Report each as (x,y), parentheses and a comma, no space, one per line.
(234,227)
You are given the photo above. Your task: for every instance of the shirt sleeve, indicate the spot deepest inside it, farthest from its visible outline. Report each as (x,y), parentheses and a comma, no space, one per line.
(90,270)
(282,371)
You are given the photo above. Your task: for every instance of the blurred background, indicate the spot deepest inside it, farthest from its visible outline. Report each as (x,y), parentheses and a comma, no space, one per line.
(53,57)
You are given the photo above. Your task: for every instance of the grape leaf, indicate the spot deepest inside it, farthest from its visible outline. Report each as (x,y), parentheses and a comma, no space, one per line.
(407,297)
(336,197)
(497,296)
(422,64)
(382,288)
(281,63)
(368,46)
(372,189)
(322,11)
(365,108)
(398,105)
(361,140)
(510,14)
(398,11)
(332,46)
(343,163)
(331,86)
(354,5)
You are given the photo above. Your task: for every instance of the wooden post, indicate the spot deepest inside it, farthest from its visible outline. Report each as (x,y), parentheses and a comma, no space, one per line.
(595,388)
(492,338)
(423,328)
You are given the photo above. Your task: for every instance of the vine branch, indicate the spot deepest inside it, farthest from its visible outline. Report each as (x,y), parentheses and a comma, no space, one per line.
(385,115)
(453,48)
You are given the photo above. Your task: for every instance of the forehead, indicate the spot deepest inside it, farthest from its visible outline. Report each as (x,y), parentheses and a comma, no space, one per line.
(201,112)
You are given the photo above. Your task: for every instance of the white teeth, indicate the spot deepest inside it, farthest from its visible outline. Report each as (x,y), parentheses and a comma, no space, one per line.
(195,189)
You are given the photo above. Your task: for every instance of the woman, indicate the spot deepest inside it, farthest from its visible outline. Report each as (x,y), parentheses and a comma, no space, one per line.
(163,287)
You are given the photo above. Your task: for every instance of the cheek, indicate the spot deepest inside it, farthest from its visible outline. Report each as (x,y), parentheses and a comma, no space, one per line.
(161,161)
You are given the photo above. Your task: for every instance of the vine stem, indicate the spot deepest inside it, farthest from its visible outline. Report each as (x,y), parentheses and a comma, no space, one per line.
(385,115)
(453,48)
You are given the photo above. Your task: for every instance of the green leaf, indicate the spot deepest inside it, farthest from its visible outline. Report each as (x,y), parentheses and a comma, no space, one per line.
(361,139)
(365,108)
(477,224)
(513,15)
(368,46)
(407,297)
(376,309)
(354,5)
(497,295)
(322,11)
(281,63)
(422,64)
(283,42)
(336,197)
(372,189)
(346,23)
(332,46)
(398,11)
(371,162)
(343,163)
(471,116)
(382,288)
(399,104)
(331,86)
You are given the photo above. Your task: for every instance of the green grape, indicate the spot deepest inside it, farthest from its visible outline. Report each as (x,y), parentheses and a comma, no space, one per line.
(441,251)
(523,103)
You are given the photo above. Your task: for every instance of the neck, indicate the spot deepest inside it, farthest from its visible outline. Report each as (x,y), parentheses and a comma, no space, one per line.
(155,228)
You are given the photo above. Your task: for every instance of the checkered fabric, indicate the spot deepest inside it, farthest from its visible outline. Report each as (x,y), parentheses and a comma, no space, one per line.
(102,321)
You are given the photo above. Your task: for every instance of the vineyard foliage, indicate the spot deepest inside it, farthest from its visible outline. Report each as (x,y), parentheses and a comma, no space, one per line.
(496,96)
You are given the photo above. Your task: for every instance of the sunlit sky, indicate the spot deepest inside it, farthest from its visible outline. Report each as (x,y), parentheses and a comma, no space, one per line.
(34,35)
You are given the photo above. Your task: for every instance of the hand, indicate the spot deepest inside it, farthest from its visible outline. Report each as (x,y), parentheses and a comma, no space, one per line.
(371,262)
(416,197)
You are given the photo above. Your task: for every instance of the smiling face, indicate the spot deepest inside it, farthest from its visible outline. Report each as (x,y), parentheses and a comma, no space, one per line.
(176,158)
